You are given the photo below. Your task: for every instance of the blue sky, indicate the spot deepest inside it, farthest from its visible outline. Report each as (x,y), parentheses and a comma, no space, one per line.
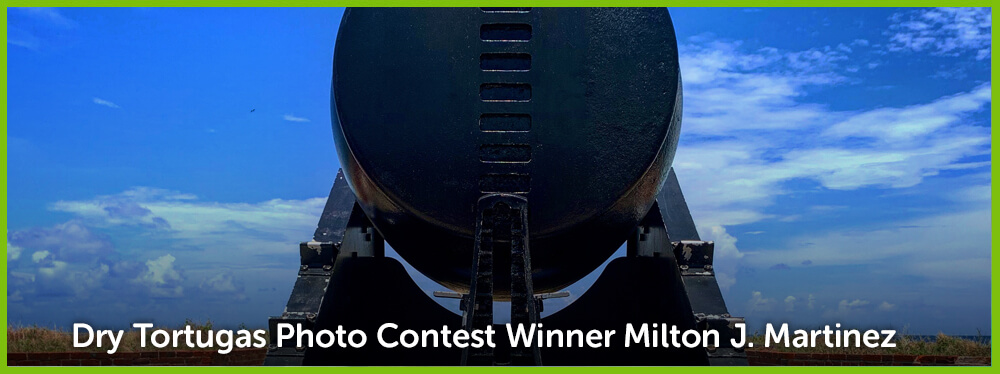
(840,158)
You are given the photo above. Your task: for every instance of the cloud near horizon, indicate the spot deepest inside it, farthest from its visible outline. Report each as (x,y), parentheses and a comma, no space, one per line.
(163,243)
(752,136)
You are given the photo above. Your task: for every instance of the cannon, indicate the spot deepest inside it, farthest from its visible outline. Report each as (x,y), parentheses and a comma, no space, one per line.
(506,153)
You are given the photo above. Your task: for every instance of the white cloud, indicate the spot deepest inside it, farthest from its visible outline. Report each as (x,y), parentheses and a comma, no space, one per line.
(267,227)
(847,306)
(39,256)
(154,231)
(22,38)
(292,118)
(106,103)
(223,283)
(51,16)
(885,307)
(907,246)
(729,90)
(69,241)
(790,303)
(726,256)
(161,277)
(749,129)
(13,252)
(896,127)
(848,310)
(811,302)
(943,31)
(758,303)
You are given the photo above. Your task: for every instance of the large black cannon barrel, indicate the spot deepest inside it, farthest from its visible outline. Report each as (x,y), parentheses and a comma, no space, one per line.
(576,109)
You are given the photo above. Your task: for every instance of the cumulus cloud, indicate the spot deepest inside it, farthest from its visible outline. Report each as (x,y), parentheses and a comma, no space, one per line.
(293,118)
(759,303)
(886,307)
(150,264)
(13,252)
(847,306)
(69,241)
(161,277)
(790,303)
(943,31)
(223,283)
(726,257)
(848,310)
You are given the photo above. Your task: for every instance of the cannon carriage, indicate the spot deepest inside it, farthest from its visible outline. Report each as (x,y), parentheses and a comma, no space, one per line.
(506,153)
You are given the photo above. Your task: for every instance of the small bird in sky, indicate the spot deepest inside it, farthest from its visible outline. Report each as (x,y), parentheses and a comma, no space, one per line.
(251,110)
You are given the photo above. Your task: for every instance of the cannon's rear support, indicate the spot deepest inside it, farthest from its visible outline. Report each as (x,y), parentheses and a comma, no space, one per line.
(666,278)
(501,234)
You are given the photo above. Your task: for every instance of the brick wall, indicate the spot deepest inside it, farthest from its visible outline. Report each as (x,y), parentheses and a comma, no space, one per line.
(239,357)
(763,358)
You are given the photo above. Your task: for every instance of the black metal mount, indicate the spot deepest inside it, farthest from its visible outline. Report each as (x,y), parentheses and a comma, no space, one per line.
(667,277)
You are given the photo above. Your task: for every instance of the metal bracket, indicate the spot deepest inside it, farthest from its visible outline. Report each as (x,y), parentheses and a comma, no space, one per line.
(350,234)
(315,269)
(501,226)
(695,257)
(726,326)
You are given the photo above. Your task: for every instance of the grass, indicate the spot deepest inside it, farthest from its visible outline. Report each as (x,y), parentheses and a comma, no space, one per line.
(944,345)
(22,339)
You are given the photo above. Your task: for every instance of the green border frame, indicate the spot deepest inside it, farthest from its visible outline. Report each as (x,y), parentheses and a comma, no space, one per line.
(442,3)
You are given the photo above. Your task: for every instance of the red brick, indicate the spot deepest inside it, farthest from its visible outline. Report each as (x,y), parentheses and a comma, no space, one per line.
(168,354)
(149,354)
(871,358)
(142,361)
(11,357)
(202,361)
(90,362)
(44,356)
(79,355)
(904,358)
(170,361)
(27,363)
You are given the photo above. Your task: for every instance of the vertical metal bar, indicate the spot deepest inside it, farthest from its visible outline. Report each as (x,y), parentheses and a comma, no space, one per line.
(478,308)
(523,306)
